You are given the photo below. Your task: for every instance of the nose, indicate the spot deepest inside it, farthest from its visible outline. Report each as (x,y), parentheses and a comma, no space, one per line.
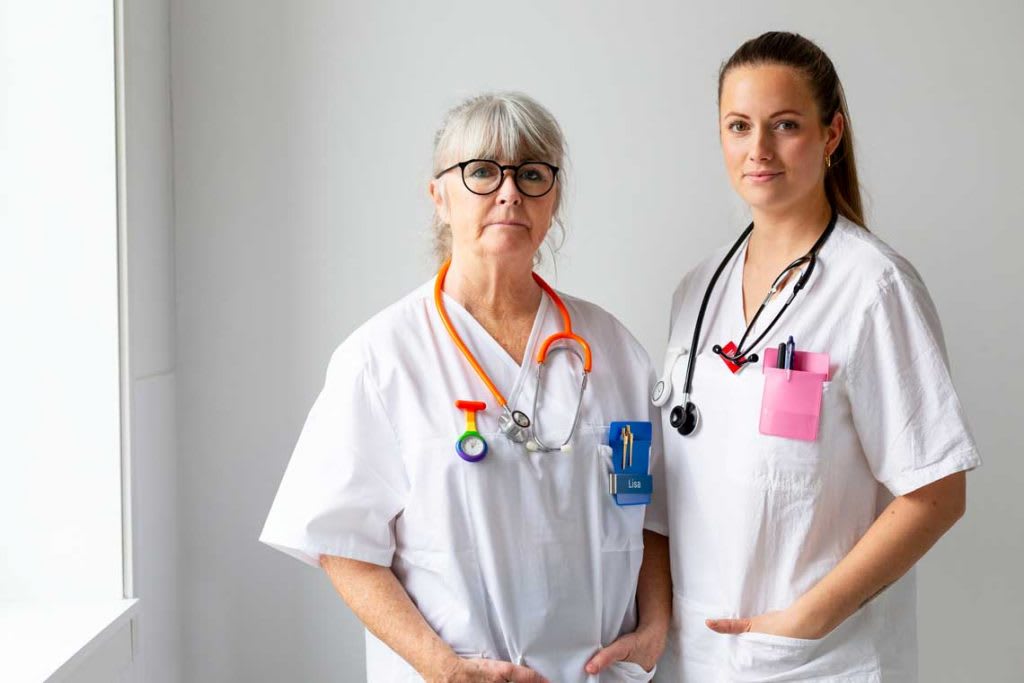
(508,193)
(761,145)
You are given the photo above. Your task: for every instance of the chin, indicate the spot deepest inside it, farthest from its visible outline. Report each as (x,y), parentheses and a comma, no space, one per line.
(767,198)
(508,245)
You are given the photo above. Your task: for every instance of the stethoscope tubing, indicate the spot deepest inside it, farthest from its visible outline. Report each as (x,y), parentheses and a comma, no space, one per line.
(692,356)
(516,432)
(688,413)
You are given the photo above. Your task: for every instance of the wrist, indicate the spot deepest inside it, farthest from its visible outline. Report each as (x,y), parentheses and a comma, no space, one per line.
(813,619)
(650,643)
(441,666)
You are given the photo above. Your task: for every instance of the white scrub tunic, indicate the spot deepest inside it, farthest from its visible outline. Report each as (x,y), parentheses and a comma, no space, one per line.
(521,557)
(755,521)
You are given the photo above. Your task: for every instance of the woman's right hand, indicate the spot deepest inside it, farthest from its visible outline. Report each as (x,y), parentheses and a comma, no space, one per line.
(488,671)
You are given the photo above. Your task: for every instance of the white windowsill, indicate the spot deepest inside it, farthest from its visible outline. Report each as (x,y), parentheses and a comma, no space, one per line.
(48,641)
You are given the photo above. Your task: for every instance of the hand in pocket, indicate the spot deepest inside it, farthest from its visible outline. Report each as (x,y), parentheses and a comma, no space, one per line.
(786,623)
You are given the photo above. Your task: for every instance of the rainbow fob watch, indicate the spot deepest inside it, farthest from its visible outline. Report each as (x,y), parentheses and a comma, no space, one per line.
(471,446)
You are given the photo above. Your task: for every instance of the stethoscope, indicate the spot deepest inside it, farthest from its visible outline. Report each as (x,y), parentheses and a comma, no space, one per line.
(514,424)
(685,417)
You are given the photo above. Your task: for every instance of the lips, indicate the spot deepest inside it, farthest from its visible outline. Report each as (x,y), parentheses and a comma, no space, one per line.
(762,176)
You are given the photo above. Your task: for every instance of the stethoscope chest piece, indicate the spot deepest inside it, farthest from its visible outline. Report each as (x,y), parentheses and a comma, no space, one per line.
(659,392)
(515,425)
(662,390)
(685,417)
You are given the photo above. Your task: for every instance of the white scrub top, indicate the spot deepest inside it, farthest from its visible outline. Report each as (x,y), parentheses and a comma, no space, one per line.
(521,557)
(755,521)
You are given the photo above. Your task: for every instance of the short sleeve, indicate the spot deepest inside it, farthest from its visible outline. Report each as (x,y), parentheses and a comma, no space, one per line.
(905,409)
(346,481)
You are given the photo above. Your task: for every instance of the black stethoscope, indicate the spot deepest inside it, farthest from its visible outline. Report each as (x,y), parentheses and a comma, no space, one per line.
(685,417)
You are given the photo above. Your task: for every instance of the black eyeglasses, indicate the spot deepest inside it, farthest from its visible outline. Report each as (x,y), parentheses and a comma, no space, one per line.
(484,176)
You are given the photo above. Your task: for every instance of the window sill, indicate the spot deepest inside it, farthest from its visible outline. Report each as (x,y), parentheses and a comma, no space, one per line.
(64,641)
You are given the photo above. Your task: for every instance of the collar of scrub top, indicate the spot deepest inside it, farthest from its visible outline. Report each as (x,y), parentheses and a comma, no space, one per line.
(685,416)
(514,424)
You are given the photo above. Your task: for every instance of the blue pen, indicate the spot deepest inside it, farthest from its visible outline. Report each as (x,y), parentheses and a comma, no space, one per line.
(790,351)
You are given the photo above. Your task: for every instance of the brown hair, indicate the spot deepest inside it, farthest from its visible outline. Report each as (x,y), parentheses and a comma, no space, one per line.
(790,49)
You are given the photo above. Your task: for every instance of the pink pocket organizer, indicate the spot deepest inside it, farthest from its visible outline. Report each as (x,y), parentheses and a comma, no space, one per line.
(791,403)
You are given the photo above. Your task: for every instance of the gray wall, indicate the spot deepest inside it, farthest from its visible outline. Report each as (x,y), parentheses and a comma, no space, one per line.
(301,152)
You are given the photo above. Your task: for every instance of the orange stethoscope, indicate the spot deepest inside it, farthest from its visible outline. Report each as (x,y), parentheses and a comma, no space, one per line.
(515,424)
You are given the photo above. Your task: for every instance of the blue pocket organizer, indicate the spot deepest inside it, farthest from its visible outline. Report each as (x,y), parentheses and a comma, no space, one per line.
(630,482)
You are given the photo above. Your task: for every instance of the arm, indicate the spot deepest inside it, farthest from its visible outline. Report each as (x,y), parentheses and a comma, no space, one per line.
(654,612)
(902,534)
(381,603)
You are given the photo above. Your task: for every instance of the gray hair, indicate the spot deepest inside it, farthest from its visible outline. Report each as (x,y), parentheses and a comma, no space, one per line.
(501,126)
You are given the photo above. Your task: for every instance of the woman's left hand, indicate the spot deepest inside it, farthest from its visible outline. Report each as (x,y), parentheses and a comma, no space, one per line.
(637,647)
(788,622)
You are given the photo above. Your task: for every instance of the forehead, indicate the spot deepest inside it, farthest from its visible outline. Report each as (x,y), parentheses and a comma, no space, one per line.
(765,88)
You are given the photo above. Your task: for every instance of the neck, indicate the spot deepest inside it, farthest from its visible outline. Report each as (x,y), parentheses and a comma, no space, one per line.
(493,288)
(788,234)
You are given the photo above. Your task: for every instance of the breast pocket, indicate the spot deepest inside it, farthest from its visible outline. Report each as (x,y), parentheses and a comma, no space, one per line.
(791,404)
(621,526)
(797,464)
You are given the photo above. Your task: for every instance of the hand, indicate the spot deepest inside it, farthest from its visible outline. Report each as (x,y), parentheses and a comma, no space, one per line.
(488,671)
(637,647)
(788,622)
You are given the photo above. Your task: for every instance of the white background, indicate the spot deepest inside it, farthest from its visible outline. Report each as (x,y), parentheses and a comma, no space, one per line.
(301,142)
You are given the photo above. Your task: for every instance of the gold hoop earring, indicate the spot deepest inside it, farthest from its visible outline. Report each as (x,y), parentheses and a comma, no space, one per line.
(828,160)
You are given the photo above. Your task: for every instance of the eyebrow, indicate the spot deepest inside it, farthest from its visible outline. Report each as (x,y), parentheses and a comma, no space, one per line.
(778,113)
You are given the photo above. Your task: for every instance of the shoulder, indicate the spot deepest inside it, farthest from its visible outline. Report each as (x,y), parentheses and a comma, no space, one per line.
(381,339)
(869,264)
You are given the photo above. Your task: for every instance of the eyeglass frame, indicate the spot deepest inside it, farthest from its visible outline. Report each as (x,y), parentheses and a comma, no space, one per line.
(502,168)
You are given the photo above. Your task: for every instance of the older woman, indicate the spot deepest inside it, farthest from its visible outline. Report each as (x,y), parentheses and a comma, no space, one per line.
(455,489)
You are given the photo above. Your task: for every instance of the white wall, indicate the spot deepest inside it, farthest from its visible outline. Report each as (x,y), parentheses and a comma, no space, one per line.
(149,223)
(302,141)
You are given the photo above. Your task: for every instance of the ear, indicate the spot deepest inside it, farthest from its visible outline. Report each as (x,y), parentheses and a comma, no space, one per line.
(437,195)
(834,133)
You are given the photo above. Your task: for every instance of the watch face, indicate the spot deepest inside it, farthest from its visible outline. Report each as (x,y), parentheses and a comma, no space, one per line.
(472,445)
